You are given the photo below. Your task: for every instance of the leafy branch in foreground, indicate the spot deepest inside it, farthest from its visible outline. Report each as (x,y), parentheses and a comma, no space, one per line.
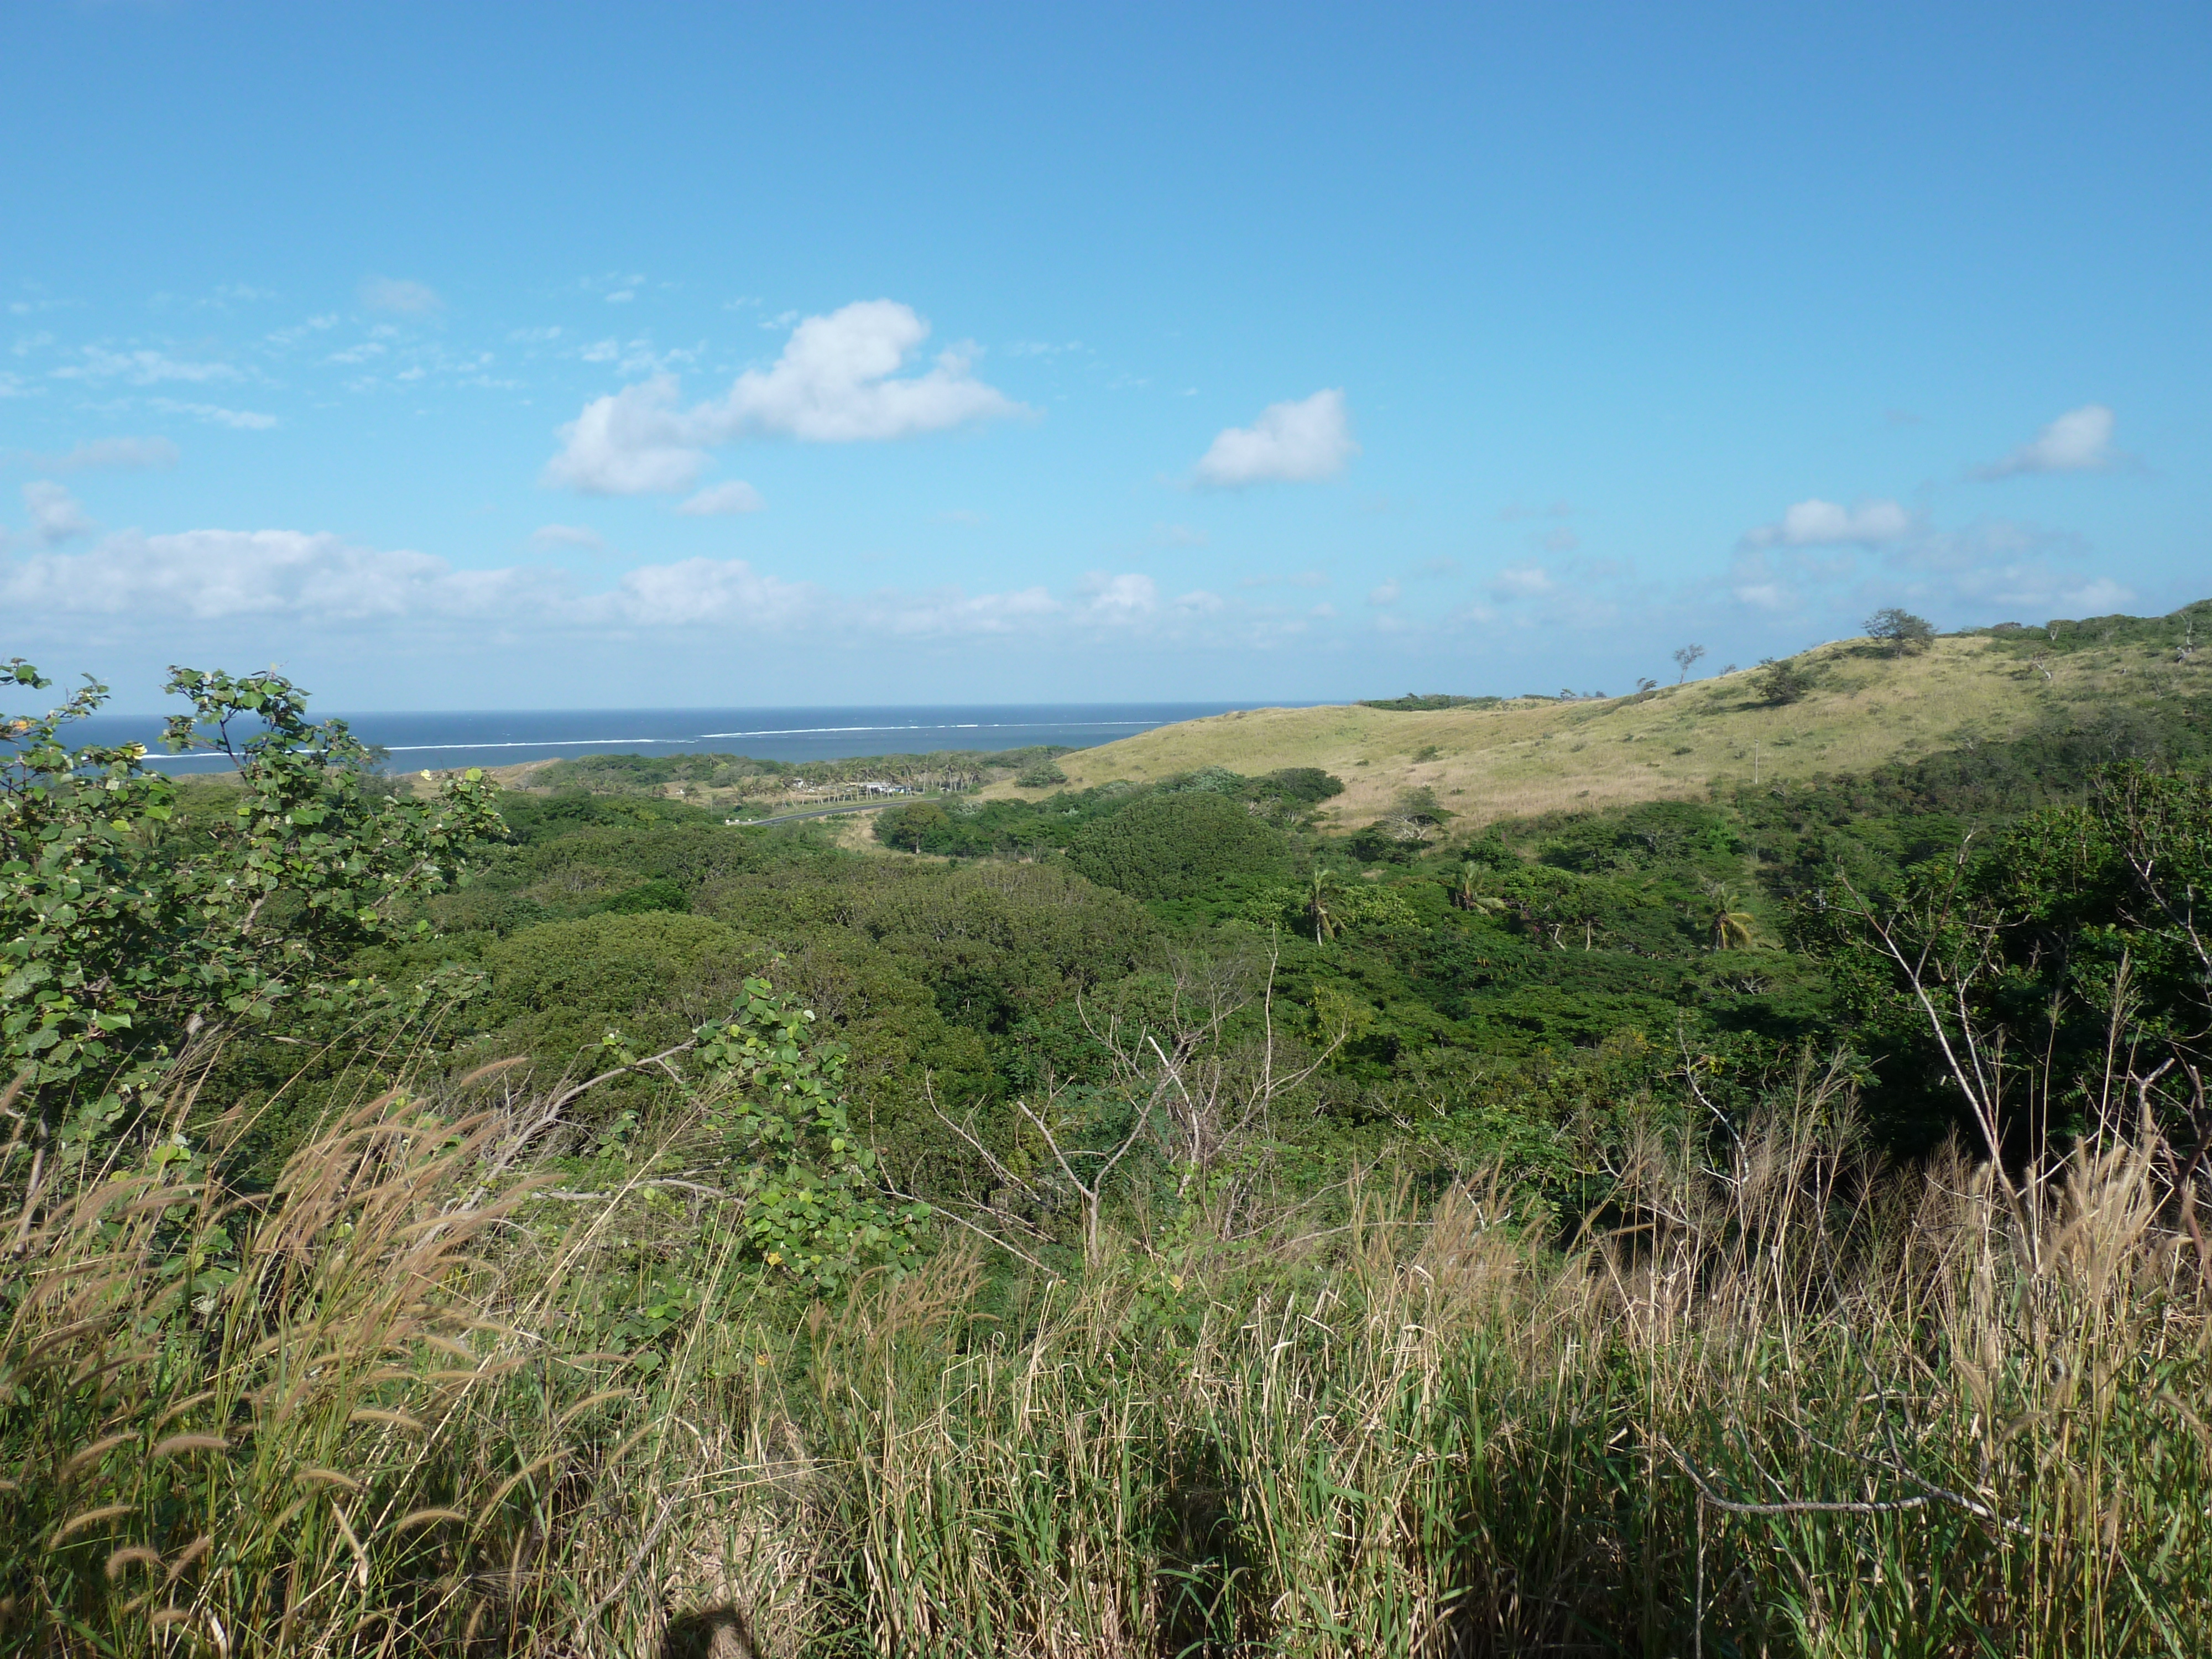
(811,1197)
(126,929)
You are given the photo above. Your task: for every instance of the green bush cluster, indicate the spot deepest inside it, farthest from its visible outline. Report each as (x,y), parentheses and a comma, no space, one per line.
(455,1253)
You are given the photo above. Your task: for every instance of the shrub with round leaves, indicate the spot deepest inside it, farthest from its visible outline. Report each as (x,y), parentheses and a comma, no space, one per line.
(124,933)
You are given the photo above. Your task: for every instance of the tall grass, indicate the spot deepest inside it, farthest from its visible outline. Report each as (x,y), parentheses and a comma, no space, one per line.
(1775,1402)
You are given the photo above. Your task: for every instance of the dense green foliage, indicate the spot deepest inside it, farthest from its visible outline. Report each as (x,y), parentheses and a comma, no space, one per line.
(1901,632)
(1060,823)
(128,926)
(742,774)
(1423,701)
(1137,1205)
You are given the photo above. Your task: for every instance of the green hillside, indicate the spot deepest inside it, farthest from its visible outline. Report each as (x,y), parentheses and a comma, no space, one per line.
(1864,708)
(1260,1187)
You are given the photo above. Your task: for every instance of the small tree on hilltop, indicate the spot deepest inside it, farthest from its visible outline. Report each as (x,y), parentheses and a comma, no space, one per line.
(1900,630)
(1685,657)
(1783,682)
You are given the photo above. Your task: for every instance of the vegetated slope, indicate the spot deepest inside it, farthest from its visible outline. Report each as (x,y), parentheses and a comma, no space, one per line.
(1410,1127)
(1864,709)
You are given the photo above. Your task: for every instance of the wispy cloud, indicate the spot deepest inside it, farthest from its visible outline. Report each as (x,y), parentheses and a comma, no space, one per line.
(558,538)
(142,366)
(400,295)
(150,583)
(241,420)
(2080,441)
(1817,523)
(1522,581)
(1289,443)
(719,500)
(56,517)
(122,454)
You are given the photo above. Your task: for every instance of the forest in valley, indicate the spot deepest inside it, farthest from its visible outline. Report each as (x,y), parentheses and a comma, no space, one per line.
(1150,1217)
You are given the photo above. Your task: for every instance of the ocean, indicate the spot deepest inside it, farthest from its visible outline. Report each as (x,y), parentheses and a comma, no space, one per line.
(456,739)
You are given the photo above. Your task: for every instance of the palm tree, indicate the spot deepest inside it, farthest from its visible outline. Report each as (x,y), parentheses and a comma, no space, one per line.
(1325,925)
(1732,928)
(1468,897)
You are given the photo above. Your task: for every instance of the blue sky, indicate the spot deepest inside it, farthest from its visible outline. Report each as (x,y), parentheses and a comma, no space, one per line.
(593,356)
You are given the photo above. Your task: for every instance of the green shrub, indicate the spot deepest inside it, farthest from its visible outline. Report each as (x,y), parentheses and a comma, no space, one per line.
(129,929)
(558,987)
(1901,631)
(1782,682)
(1172,846)
(1307,786)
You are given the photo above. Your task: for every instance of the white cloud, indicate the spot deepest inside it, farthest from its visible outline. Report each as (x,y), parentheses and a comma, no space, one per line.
(55,515)
(1558,539)
(1824,523)
(621,297)
(835,382)
(358,354)
(143,367)
(203,575)
(1387,593)
(1119,600)
(294,333)
(122,453)
(2080,441)
(1522,581)
(1289,443)
(242,420)
(949,612)
(1177,535)
(261,579)
(635,442)
(408,298)
(552,537)
(2098,597)
(722,592)
(736,496)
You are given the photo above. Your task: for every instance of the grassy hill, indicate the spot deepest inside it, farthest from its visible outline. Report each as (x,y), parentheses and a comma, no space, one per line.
(1531,756)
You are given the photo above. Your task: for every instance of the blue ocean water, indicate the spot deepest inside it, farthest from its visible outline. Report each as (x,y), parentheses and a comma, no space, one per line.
(449,739)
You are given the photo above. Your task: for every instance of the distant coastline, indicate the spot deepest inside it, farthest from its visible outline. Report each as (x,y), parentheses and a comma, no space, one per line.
(443,739)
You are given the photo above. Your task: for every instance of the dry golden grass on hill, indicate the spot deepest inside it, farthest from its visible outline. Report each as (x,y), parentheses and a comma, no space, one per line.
(1532,756)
